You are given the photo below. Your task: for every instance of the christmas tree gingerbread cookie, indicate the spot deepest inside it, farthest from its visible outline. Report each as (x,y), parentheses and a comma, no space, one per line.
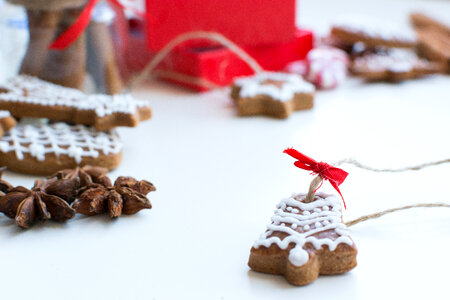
(307,237)
(272,94)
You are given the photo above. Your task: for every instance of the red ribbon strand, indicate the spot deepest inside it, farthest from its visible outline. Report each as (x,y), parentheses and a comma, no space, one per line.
(334,175)
(79,26)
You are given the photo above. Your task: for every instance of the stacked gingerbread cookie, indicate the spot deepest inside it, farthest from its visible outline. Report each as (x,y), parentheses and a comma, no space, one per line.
(381,51)
(433,38)
(63,127)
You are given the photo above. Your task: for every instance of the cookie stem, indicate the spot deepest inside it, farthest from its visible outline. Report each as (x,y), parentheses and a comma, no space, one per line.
(312,189)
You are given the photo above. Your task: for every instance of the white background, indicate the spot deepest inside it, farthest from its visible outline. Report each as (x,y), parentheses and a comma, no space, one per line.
(219,178)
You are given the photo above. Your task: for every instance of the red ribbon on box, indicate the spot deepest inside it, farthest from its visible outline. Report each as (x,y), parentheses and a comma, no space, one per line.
(334,175)
(79,26)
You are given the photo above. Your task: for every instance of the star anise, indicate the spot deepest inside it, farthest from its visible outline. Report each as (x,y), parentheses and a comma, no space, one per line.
(75,179)
(26,206)
(127,196)
(87,175)
(5,186)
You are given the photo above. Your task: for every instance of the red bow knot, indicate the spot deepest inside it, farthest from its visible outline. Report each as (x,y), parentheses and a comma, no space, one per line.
(334,175)
(79,26)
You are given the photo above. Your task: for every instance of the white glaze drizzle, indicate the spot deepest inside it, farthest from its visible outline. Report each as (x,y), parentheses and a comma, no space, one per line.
(301,226)
(4,114)
(394,60)
(76,141)
(292,84)
(28,89)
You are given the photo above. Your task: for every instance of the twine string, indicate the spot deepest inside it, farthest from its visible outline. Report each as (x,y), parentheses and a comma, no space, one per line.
(391,210)
(360,165)
(351,161)
(313,188)
(194,35)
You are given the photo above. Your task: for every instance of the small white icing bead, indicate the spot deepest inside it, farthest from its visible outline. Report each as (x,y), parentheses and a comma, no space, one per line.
(298,256)
(306,213)
(293,226)
(318,224)
(306,227)
(317,209)
(295,211)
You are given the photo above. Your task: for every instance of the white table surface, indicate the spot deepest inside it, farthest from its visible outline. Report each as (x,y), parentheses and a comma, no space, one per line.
(219,178)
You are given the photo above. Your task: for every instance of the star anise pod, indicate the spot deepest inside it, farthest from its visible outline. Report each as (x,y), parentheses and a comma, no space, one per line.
(26,206)
(75,179)
(5,186)
(127,196)
(87,175)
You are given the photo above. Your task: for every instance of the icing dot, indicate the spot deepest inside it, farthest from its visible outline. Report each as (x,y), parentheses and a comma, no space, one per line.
(282,224)
(326,222)
(326,208)
(317,209)
(298,256)
(4,146)
(306,213)
(289,208)
(294,226)
(318,224)
(306,227)
(295,211)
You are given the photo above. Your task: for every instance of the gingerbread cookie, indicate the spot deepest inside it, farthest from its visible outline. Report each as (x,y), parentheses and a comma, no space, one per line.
(393,65)
(305,240)
(46,149)
(6,122)
(26,96)
(435,46)
(372,33)
(272,94)
(421,21)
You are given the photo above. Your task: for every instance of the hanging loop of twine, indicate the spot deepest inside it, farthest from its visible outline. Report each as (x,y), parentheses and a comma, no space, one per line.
(360,165)
(195,35)
(391,210)
(315,183)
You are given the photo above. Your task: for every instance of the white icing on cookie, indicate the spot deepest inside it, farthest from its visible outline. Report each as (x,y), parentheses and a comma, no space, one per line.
(394,60)
(28,89)
(76,141)
(4,114)
(292,84)
(300,227)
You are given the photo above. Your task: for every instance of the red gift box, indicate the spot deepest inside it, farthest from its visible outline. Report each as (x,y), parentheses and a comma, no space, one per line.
(245,22)
(219,65)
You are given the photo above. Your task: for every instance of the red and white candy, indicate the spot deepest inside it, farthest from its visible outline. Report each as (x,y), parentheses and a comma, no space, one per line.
(326,67)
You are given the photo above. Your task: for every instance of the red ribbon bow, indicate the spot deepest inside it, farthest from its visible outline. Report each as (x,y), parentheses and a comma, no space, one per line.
(79,26)
(334,175)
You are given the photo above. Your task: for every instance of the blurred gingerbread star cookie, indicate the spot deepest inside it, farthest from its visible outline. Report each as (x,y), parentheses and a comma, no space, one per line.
(272,94)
